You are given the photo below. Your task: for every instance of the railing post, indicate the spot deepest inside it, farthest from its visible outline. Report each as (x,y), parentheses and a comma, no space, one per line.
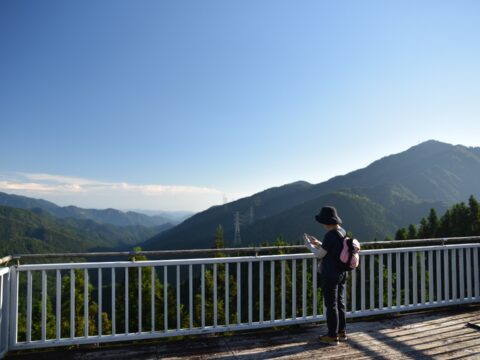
(4,311)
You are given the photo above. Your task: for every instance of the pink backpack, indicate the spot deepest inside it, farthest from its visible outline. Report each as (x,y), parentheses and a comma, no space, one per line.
(349,256)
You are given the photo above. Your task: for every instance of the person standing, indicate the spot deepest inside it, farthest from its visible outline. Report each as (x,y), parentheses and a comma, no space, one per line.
(332,276)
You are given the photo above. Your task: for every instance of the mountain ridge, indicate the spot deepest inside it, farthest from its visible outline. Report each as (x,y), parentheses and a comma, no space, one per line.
(102,216)
(36,230)
(397,189)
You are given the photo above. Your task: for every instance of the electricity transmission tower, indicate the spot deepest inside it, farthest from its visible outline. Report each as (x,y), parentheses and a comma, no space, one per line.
(237,240)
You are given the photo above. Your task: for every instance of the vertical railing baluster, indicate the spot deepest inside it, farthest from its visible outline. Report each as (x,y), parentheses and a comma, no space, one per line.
(29,306)
(362,285)
(372,282)
(439,276)
(446,276)
(85,302)
(44,305)
(127,300)
(215,310)
(422,278)
(227,294)
(314,280)
(72,303)
(469,272)
(260,294)
(415,278)
(406,278)
(354,289)
(152,299)
(380,281)
(13,303)
(114,318)
(454,274)
(272,291)
(202,281)
(250,294)
(179,320)
(462,274)
(100,300)
(294,289)
(283,289)
(239,293)
(476,273)
(389,280)
(190,295)
(430,277)
(304,288)
(58,305)
(139,298)
(165,298)
(398,281)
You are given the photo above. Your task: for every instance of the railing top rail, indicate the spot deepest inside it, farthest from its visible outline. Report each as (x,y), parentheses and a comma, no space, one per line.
(222,260)
(254,249)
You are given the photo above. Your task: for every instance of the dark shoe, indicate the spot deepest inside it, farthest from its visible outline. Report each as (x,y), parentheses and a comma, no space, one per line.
(330,340)
(342,336)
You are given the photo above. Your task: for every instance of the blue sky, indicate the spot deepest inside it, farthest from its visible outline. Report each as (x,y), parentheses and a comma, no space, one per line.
(181,105)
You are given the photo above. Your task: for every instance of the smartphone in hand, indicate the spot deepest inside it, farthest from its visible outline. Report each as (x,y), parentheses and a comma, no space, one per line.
(312,240)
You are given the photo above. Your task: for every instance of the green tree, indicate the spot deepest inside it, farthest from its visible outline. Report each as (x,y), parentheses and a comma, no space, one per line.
(79,304)
(423,230)
(459,220)
(219,242)
(209,279)
(474,208)
(412,232)
(140,287)
(402,234)
(433,224)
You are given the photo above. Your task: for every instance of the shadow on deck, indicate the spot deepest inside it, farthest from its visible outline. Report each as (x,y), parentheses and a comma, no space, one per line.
(439,334)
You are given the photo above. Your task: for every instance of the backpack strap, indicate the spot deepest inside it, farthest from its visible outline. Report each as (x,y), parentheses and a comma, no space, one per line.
(342,232)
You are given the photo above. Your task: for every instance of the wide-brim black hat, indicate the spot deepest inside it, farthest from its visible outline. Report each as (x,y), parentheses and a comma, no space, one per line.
(328,216)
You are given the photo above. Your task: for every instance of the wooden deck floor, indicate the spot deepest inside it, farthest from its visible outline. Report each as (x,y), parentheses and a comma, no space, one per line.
(444,334)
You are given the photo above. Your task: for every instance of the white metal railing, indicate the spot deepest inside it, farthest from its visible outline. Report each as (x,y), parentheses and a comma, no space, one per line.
(78,303)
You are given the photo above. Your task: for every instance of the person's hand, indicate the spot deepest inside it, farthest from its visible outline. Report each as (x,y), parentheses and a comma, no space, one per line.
(315,242)
(312,240)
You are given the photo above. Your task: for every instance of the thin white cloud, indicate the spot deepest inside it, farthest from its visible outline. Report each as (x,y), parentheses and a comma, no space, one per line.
(7,185)
(69,190)
(59,179)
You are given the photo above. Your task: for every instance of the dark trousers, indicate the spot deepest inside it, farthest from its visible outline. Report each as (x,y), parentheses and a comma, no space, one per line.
(333,297)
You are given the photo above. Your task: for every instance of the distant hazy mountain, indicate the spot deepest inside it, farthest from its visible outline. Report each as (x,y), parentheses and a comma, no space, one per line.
(107,216)
(173,216)
(37,231)
(375,201)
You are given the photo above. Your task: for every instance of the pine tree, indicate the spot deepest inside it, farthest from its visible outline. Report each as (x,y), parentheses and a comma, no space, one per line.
(143,275)
(474,208)
(402,234)
(423,231)
(433,224)
(412,232)
(79,305)
(219,242)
